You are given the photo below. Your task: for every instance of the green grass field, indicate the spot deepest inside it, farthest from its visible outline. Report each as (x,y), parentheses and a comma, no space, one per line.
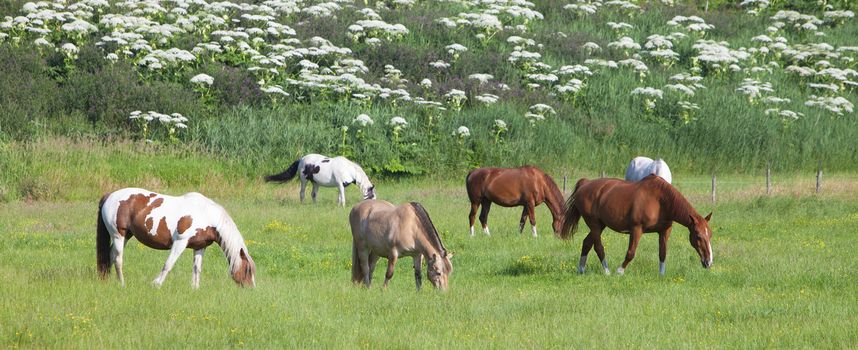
(783,276)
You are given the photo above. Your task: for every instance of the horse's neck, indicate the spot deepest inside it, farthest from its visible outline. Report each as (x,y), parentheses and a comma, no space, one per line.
(554,199)
(359,175)
(428,245)
(230,240)
(681,209)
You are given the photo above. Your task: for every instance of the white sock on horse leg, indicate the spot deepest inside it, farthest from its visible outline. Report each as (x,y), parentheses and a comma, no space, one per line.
(486,230)
(605,266)
(582,263)
(533,229)
(661,268)
(472,230)
(621,271)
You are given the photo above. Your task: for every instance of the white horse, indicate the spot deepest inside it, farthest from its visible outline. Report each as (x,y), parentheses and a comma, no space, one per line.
(328,172)
(641,167)
(169,223)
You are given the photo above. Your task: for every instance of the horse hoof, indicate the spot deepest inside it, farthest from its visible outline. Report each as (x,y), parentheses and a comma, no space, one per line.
(607,272)
(580,270)
(620,271)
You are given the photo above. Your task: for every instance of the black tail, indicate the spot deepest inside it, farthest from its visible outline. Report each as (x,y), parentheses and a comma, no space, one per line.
(427,225)
(286,175)
(102,243)
(570,220)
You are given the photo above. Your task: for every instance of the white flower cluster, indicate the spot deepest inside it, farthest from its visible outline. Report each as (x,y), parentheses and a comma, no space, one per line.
(174,119)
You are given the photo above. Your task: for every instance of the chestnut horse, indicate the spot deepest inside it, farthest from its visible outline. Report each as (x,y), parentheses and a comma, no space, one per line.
(512,187)
(169,223)
(651,205)
(380,229)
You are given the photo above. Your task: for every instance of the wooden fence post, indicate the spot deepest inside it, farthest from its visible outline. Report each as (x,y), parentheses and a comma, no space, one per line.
(713,187)
(768,178)
(819,177)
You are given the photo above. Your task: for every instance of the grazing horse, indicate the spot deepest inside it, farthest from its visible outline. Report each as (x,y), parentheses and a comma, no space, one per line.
(651,205)
(641,167)
(328,172)
(380,229)
(511,187)
(169,223)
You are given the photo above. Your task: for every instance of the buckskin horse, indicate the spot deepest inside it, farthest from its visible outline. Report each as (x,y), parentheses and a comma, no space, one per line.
(169,223)
(510,187)
(651,205)
(380,229)
(329,172)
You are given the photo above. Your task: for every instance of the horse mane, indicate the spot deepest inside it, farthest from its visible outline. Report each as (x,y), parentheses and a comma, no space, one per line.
(680,208)
(362,179)
(554,195)
(231,241)
(428,226)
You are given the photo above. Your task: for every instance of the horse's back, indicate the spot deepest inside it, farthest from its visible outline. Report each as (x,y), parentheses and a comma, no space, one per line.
(661,169)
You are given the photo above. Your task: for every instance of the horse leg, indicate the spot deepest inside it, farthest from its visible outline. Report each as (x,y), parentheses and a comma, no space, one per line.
(198,267)
(342,198)
(662,249)
(418,266)
(585,249)
(303,188)
(532,213)
(391,264)
(484,216)
(314,191)
(634,238)
(117,254)
(473,215)
(523,220)
(373,260)
(600,249)
(175,251)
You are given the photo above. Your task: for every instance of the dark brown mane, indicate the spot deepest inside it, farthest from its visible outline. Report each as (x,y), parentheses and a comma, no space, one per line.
(554,196)
(428,226)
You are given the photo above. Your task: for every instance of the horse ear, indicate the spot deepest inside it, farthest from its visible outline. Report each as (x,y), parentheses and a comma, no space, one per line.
(242,254)
(449,255)
(434,256)
(708,216)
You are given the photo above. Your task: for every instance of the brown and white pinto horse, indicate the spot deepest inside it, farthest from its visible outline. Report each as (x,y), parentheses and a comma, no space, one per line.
(380,229)
(169,223)
(511,187)
(651,205)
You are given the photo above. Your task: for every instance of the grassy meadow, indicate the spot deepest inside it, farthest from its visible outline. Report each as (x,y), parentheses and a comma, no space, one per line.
(782,277)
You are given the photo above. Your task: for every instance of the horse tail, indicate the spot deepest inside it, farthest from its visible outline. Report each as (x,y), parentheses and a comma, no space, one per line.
(357,273)
(102,242)
(428,226)
(472,190)
(570,220)
(286,175)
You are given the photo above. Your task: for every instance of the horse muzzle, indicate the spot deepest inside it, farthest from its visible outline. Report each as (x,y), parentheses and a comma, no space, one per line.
(706,263)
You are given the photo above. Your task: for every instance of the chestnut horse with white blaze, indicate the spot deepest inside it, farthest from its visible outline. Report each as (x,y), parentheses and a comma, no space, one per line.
(380,229)
(526,186)
(650,205)
(329,172)
(169,223)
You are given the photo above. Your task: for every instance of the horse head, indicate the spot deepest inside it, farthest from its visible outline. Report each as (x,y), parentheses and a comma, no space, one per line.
(700,236)
(369,192)
(438,269)
(245,274)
